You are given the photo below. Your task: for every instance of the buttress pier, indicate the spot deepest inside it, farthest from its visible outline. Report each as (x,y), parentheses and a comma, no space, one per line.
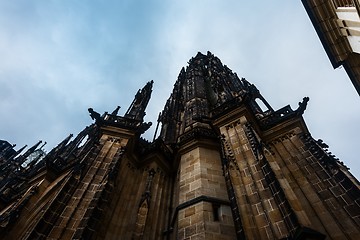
(225,165)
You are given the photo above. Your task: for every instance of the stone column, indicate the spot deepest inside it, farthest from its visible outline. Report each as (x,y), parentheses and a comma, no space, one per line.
(204,208)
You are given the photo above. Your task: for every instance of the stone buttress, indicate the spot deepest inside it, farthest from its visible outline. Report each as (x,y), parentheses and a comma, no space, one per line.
(225,165)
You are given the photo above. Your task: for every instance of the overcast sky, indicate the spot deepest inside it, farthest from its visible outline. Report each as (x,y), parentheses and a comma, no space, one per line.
(58,58)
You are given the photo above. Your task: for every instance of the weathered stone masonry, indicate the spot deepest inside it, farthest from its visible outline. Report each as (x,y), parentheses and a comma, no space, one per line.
(222,167)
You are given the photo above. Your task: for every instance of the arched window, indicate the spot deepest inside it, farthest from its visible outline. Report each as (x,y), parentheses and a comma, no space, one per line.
(261,105)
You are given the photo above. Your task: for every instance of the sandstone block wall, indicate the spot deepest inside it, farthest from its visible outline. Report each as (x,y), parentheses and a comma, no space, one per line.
(201,177)
(260,214)
(321,198)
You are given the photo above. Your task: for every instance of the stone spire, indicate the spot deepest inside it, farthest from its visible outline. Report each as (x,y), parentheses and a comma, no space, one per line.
(205,88)
(137,108)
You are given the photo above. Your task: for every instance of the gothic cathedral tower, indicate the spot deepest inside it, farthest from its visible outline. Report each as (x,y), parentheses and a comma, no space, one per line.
(225,166)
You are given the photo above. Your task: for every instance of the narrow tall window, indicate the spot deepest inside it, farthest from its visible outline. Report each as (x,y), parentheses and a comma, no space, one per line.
(261,105)
(216,209)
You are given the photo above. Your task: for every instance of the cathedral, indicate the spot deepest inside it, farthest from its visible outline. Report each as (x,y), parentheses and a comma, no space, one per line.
(225,165)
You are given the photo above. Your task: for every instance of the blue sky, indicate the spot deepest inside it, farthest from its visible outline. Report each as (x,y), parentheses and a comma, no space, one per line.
(58,58)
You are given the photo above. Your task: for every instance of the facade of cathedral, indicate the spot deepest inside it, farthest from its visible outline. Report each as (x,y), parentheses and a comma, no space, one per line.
(225,166)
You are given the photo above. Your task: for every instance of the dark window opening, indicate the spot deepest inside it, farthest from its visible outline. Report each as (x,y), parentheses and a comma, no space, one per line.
(216,209)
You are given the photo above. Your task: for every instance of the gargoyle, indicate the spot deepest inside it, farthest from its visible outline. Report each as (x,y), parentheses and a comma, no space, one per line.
(94,115)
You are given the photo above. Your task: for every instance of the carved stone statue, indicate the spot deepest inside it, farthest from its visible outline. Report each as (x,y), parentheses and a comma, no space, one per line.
(93,114)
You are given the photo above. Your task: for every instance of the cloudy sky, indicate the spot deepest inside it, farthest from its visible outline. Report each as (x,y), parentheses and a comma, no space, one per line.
(58,58)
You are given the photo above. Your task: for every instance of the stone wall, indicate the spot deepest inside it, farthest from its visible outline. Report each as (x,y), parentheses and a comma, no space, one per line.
(263,219)
(204,211)
(320,197)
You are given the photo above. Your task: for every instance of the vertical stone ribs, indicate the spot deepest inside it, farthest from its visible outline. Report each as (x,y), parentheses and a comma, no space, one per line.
(54,209)
(77,208)
(54,216)
(207,88)
(344,187)
(171,115)
(287,213)
(93,215)
(225,161)
(144,206)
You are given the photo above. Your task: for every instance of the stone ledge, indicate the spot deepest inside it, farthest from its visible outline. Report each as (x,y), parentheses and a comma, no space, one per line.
(194,201)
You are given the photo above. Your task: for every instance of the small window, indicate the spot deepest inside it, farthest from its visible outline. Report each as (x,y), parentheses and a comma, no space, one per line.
(261,105)
(216,210)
